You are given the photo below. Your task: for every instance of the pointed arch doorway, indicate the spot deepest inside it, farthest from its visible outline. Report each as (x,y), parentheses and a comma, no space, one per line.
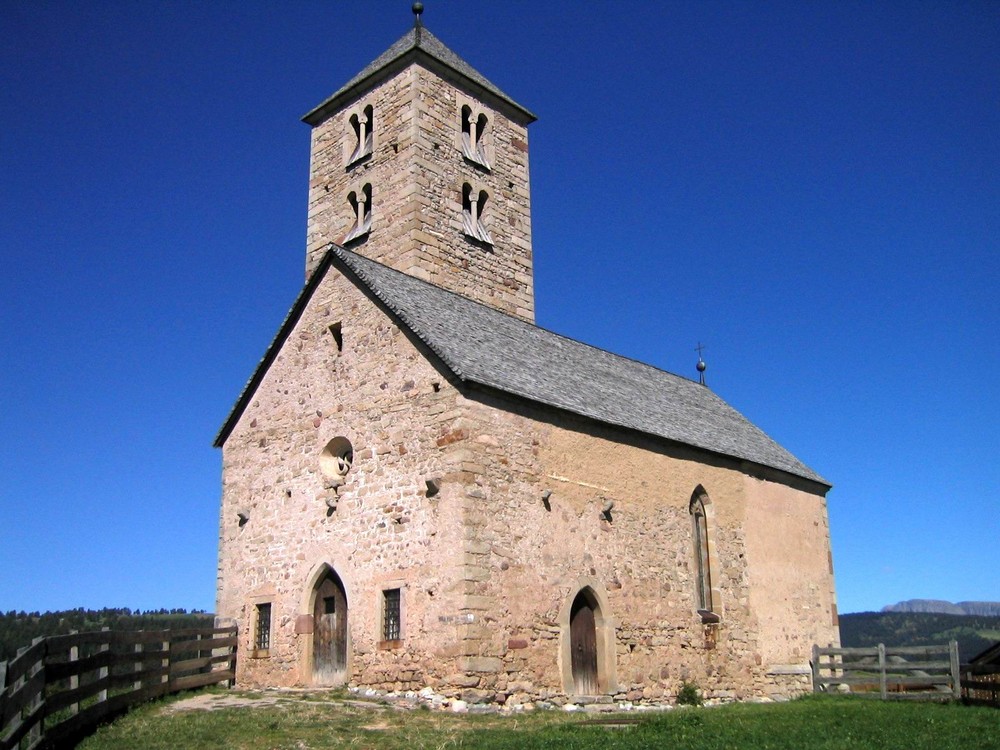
(583,643)
(329,630)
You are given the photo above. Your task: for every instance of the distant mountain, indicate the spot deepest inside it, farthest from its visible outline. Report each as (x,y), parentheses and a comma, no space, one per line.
(982,609)
(974,633)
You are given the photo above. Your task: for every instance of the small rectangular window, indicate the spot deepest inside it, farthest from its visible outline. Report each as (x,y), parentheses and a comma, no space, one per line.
(262,634)
(391,623)
(336,330)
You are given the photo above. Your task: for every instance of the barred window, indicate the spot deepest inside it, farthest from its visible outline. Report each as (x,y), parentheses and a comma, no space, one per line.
(262,634)
(391,624)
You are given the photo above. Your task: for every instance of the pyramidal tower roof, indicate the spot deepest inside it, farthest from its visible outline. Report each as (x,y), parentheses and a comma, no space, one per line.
(416,45)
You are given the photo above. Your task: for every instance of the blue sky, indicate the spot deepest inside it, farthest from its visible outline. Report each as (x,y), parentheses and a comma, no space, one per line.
(809,189)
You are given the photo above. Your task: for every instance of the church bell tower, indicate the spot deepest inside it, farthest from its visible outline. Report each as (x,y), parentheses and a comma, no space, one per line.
(420,163)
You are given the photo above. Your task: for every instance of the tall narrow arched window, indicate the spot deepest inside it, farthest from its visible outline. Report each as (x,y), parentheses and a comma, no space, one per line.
(361,208)
(702,556)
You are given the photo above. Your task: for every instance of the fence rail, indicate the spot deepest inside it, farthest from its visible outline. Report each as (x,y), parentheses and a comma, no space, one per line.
(908,673)
(981,684)
(60,687)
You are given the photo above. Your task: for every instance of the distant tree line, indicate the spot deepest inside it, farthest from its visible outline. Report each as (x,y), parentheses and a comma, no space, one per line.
(974,633)
(18,629)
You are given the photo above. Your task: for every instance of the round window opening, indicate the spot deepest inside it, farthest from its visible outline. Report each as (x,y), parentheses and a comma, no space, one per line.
(336,459)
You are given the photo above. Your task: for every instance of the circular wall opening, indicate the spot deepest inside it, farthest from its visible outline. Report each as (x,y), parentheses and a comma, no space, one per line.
(336,458)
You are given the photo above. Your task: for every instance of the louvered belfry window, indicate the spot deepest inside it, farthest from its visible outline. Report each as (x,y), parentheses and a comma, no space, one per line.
(473,137)
(361,125)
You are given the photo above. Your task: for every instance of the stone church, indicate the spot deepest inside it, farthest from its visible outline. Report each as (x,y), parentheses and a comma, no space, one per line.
(423,488)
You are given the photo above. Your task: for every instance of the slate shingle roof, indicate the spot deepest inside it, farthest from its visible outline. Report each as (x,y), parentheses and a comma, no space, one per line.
(485,346)
(417,43)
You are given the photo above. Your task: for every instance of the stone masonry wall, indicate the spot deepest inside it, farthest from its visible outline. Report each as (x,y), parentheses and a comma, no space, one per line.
(527,560)
(486,567)
(417,170)
(389,170)
(398,411)
(791,572)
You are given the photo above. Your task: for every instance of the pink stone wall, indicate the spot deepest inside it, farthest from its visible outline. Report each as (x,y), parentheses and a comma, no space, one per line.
(487,570)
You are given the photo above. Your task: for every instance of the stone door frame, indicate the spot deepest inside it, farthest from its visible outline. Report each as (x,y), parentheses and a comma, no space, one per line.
(306,608)
(605,625)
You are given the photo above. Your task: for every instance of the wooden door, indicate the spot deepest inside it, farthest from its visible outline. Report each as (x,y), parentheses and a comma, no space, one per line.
(583,642)
(330,631)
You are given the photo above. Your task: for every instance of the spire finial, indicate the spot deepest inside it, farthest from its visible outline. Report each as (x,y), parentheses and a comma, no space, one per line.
(701,364)
(417,9)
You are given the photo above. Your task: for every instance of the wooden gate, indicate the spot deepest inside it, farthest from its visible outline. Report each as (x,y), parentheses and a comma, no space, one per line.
(912,672)
(583,644)
(330,631)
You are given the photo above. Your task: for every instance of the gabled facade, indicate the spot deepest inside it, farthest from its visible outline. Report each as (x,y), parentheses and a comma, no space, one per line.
(422,488)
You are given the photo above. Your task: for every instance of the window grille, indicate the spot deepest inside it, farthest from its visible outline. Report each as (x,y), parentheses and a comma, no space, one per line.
(262,638)
(391,629)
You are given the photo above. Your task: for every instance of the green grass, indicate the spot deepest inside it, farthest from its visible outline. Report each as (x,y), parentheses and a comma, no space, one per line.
(812,723)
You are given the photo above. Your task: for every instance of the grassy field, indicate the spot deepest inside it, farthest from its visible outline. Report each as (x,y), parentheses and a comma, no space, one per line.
(308,722)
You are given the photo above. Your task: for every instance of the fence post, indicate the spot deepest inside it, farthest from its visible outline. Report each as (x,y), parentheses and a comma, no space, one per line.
(74,679)
(815,668)
(103,672)
(165,663)
(3,692)
(882,684)
(232,656)
(956,677)
(202,653)
(137,666)
(37,731)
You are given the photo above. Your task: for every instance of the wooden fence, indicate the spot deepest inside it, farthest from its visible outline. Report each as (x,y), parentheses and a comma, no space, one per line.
(60,687)
(981,684)
(915,673)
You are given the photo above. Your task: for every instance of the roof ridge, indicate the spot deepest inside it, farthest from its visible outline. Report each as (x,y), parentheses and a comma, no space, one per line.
(348,257)
(487,347)
(418,39)
(499,329)
(513,318)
